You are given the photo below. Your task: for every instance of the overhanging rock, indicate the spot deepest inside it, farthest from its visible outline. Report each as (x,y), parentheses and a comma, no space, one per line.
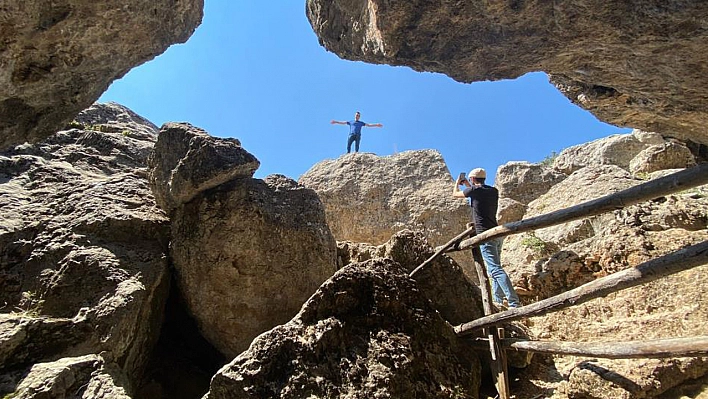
(638,64)
(59,56)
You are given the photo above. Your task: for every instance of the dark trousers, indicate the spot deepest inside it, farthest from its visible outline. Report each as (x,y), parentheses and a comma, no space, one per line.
(353,138)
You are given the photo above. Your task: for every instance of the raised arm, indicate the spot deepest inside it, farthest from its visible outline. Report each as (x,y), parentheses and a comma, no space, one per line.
(338,122)
(456,192)
(373,125)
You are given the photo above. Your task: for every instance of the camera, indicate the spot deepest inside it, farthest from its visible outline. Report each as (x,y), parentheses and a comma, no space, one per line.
(461,177)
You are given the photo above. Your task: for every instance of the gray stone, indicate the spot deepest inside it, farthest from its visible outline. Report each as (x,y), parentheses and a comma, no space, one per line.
(668,155)
(510,210)
(186,161)
(617,150)
(584,185)
(641,313)
(648,138)
(443,281)
(369,198)
(611,243)
(59,56)
(632,64)
(83,265)
(524,181)
(85,377)
(455,295)
(248,253)
(366,333)
(537,261)
(115,118)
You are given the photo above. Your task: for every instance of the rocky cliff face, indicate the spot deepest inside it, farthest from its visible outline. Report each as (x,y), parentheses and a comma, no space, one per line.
(632,64)
(556,259)
(83,264)
(83,247)
(83,271)
(59,56)
(84,255)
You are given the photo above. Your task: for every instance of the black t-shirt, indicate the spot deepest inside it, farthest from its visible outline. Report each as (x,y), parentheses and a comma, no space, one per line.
(485,200)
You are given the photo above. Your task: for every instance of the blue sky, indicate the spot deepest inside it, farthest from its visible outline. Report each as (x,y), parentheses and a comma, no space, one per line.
(255,71)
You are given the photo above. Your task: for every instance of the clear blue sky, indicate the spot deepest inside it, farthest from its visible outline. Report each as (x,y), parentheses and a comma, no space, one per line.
(255,71)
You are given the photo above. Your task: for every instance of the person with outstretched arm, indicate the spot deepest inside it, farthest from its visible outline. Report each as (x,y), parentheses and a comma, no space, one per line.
(484,200)
(355,130)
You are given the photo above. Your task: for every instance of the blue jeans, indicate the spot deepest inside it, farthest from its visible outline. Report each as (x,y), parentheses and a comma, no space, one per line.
(353,138)
(501,283)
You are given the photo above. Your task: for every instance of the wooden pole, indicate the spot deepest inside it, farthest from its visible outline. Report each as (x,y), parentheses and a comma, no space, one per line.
(679,181)
(675,182)
(500,372)
(483,277)
(684,259)
(444,248)
(652,349)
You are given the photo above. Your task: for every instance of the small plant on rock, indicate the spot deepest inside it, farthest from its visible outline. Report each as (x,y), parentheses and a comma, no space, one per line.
(549,159)
(75,125)
(642,175)
(535,244)
(30,305)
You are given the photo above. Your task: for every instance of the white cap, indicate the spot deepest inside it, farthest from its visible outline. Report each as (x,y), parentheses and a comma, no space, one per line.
(478,173)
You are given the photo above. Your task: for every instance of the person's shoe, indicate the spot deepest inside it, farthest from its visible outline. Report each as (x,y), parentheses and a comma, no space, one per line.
(500,306)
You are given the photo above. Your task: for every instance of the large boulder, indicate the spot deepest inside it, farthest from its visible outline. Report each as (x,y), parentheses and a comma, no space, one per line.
(248,253)
(114,118)
(89,376)
(631,64)
(604,379)
(366,333)
(455,295)
(521,183)
(668,155)
(443,281)
(618,150)
(83,266)
(584,185)
(672,307)
(186,161)
(59,56)
(369,198)
(510,210)
(525,181)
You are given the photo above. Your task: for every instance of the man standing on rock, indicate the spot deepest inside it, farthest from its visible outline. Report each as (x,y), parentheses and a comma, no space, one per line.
(484,200)
(355,130)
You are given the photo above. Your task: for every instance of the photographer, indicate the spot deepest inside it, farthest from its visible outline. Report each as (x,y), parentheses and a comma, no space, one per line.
(484,200)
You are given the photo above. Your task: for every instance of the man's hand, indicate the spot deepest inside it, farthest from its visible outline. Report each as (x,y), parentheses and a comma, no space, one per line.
(456,192)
